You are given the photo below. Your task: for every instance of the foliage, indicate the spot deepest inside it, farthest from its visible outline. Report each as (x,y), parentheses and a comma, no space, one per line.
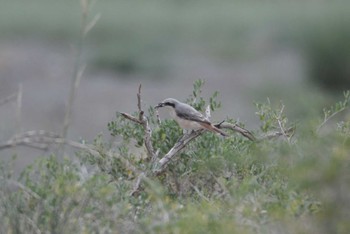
(334,110)
(215,185)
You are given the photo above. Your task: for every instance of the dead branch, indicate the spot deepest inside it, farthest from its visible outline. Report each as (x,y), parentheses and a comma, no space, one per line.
(130,117)
(144,122)
(161,165)
(287,133)
(137,185)
(19,107)
(236,128)
(139,101)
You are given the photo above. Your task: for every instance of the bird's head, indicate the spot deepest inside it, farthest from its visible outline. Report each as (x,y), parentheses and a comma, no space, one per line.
(170,102)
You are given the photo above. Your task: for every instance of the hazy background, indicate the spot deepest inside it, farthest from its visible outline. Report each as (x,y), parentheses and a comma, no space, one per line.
(295,51)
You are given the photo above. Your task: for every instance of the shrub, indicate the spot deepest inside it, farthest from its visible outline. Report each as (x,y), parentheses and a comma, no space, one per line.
(288,184)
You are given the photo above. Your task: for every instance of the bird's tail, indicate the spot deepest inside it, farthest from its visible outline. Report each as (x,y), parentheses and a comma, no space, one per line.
(212,128)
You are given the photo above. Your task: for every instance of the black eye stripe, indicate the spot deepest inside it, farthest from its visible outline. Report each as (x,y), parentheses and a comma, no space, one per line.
(169,104)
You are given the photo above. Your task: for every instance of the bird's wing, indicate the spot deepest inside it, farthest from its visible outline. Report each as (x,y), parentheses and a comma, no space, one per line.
(185,111)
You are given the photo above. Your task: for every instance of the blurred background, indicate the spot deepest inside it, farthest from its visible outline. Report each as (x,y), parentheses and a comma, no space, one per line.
(294,51)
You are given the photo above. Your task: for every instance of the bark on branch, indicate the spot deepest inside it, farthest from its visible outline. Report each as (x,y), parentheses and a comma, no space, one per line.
(160,166)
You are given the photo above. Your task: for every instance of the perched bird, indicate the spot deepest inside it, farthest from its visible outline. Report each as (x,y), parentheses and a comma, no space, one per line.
(187,117)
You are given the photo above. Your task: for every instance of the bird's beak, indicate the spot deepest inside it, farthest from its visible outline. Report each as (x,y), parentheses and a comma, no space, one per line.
(159,105)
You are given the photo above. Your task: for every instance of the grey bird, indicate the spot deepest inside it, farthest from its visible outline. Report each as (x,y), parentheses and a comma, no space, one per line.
(187,117)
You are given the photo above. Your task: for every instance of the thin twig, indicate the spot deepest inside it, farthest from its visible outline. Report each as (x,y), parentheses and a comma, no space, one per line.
(130,117)
(147,129)
(139,100)
(234,127)
(207,112)
(43,139)
(32,223)
(287,133)
(157,116)
(19,107)
(78,69)
(144,122)
(199,193)
(326,119)
(280,124)
(137,185)
(24,188)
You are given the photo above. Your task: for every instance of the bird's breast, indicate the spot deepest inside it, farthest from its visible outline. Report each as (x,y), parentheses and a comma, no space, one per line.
(187,124)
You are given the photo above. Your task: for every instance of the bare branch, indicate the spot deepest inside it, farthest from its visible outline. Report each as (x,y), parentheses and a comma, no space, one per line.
(148,139)
(199,193)
(139,100)
(236,128)
(24,188)
(130,117)
(288,133)
(207,112)
(161,165)
(19,107)
(327,118)
(91,24)
(157,116)
(43,139)
(144,122)
(137,185)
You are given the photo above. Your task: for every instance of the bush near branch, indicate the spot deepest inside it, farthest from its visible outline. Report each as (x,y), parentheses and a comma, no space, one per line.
(277,181)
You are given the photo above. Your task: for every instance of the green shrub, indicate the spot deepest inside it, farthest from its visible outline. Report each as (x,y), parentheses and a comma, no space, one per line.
(289,184)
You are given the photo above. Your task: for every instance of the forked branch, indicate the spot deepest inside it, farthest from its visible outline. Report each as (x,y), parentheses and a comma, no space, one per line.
(144,122)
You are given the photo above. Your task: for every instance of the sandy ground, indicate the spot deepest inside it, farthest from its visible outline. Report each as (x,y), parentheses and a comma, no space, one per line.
(45,69)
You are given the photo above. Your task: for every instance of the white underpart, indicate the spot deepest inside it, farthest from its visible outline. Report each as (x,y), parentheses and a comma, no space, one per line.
(184,123)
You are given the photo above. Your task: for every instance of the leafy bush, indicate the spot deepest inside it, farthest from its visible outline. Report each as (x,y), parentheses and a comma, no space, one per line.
(288,184)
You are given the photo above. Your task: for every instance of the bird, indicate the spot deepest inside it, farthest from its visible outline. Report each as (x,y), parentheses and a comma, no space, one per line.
(188,117)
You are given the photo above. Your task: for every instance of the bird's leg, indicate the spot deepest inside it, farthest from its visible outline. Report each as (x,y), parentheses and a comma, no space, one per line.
(185,132)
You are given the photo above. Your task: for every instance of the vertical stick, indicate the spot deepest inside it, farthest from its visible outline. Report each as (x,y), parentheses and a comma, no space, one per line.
(78,70)
(19,108)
